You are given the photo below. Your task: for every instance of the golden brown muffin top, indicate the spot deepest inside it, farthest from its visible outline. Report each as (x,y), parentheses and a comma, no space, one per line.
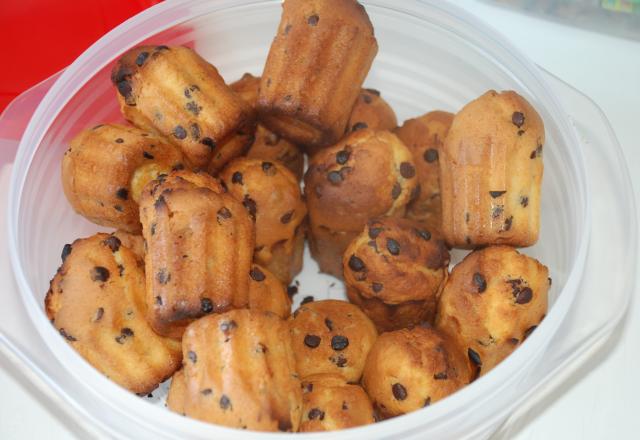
(371,111)
(331,336)
(396,260)
(267,293)
(367,174)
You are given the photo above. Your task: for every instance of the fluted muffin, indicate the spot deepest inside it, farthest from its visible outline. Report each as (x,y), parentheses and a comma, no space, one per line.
(491,302)
(316,65)
(371,111)
(272,196)
(200,243)
(267,145)
(410,369)
(96,302)
(267,293)
(365,175)
(106,167)
(491,171)
(331,336)
(175,92)
(239,371)
(424,136)
(395,271)
(330,403)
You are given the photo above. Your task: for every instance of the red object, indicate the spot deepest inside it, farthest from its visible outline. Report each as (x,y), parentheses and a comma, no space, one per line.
(41,37)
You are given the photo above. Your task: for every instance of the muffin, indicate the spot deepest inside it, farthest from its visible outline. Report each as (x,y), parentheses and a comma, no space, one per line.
(267,293)
(271,195)
(96,302)
(106,167)
(268,145)
(395,271)
(491,171)
(239,371)
(316,65)
(329,403)
(365,175)
(331,336)
(200,243)
(177,393)
(424,136)
(410,369)
(491,302)
(371,111)
(175,92)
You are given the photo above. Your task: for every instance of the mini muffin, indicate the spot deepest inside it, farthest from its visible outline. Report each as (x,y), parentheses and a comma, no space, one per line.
(395,271)
(491,171)
(331,336)
(367,174)
(491,302)
(200,243)
(424,136)
(175,92)
(314,71)
(329,403)
(371,111)
(96,302)
(239,371)
(268,145)
(410,369)
(106,167)
(272,196)
(267,293)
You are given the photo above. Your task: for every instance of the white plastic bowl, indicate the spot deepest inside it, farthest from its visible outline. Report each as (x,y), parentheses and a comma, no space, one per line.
(432,56)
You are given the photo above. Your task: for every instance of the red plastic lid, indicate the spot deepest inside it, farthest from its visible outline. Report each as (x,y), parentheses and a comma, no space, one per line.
(41,37)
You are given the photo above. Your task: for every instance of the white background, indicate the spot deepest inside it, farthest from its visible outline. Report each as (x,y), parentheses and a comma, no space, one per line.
(604,403)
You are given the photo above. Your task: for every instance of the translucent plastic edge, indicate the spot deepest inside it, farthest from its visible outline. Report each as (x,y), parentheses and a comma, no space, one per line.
(55,100)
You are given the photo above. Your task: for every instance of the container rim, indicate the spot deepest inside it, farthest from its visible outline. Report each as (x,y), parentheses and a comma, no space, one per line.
(168,14)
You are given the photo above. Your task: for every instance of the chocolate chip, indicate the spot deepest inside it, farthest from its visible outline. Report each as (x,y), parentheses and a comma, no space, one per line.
(524,201)
(179,132)
(514,341)
(292,290)
(113,242)
(147,155)
(524,296)
(520,132)
(163,276)
(377,287)
(306,299)
(66,251)
(188,90)
(393,247)
(550,281)
(441,375)
(342,157)
(374,232)
(316,413)
(250,206)
(124,334)
(356,264)
(223,214)
(66,335)
(431,155)
(125,89)
(496,194)
(497,211)
(537,152)
(396,190)
(97,316)
(528,331)
(193,107)
(159,300)
(208,142)
(518,119)
(334,177)
(206,392)
(339,342)
(312,341)
(268,168)
(359,126)
(340,361)
(366,98)
(122,193)
(237,178)
(329,324)
(225,402)
(193,357)
(425,235)
(427,402)
(307,388)
(161,48)
(120,269)
(119,141)
(256,274)
(474,357)
(286,217)
(313,20)
(399,391)
(508,222)
(118,208)
(194,129)
(206,305)
(480,282)
(141,58)
(99,273)
(407,170)
(227,326)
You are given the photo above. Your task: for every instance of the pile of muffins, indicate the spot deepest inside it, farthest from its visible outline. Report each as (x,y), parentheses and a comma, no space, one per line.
(203,191)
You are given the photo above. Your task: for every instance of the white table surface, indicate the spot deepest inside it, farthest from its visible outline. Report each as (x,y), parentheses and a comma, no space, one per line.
(602,404)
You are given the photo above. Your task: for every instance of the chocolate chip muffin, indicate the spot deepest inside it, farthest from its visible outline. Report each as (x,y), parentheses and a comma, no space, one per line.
(96,302)
(410,369)
(272,196)
(491,171)
(268,145)
(371,111)
(424,136)
(200,243)
(365,175)
(175,92)
(239,371)
(267,293)
(491,302)
(106,167)
(329,403)
(395,271)
(331,337)
(317,63)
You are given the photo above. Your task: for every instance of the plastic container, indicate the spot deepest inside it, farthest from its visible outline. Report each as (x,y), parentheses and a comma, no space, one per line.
(432,55)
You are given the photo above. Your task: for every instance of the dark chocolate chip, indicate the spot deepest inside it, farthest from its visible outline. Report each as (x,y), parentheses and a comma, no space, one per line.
(206,392)
(514,341)
(518,119)
(528,331)
(307,388)
(329,324)
(480,282)
(427,402)
(366,98)
(153,228)
(313,20)
(66,335)
(520,132)
(66,250)
(99,273)
(141,58)
(179,132)
(193,107)
(127,332)
(268,168)
(113,242)
(225,402)
(312,341)
(356,264)
(334,177)
(524,296)
(147,155)
(118,208)
(256,274)
(393,246)
(97,316)
(342,157)
(497,211)
(159,300)
(431,155)
(508,223)
(524,201)
(340,361)
(536,153)
(163,276)
(441,375)
(474,357)
(339,342)
(496,194)
(206,305)
(195,131)
(287,28)
(122,193)
(193,357)
(407,170)
(550,281)
(316,413)
(208,142)
(124,88)
(286,217)
(359,126)
(292,290)
(345,407)
(119,141)
(306,299)
(237,178)
(399,391)
(227,326)
(396,190)
(377,287)
(424,234)
(223,214)
(250,206)
(374,232)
